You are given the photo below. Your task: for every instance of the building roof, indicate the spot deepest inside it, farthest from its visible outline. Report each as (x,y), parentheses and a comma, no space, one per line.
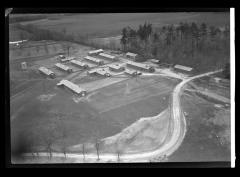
(99,71)
(130,71)
(185,68)
(68,59)
(107,56)
(71,86)
(16,42)
(79,63)
(95,51)
(154,60)
(140,65)
(64,67)
(131,54)
(92,59)
(115,66)
(102,71)
(45,70)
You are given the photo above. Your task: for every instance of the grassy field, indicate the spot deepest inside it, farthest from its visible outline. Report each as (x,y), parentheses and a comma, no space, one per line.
(110,24)
(32,116)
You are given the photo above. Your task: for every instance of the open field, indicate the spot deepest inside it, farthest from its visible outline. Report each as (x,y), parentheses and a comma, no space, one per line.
(93,25)
(103,112)
(221,88)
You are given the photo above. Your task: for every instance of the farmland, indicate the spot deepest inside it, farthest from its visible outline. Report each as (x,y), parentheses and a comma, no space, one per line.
(132,112)
(94,26)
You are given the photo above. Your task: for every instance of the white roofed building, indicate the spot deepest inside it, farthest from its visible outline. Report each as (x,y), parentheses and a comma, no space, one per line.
(47,72)
(94,60)
(183,68)
(101,72)
(79,64)
(154,61)
(140,66)
(131,55)
(116,67)
(66,59)
(107,56)
(73,87)
(64,67)
(131,72)
(95,52)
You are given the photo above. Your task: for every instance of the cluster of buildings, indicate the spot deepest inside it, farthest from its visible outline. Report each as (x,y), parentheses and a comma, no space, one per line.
(133,68)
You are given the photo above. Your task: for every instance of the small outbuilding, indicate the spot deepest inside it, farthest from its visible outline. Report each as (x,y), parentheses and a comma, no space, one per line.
(154,61)
(95,52)
(132,56)
(24,65)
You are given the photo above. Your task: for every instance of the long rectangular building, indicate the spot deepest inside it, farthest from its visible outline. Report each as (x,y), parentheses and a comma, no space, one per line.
(116,67)
(95,52)
(101,72)
(80,64)
(46,72)
(183,68)
(67,59)
(140,66)
(63,67)
(73,87)
(107,56)
(94,60)
(131,72)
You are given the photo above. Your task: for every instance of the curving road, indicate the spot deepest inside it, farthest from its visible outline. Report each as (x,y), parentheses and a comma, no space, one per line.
(177,135)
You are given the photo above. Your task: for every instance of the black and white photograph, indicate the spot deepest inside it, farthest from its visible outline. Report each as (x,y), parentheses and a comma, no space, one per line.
(121,87)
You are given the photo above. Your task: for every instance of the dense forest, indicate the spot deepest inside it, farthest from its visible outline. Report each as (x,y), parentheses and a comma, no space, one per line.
(197,45)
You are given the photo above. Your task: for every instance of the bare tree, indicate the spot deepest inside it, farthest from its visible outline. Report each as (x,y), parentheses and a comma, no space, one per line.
(66,47)
(119,150)
(50,136)
(83,151)
(97,146)
(61,132)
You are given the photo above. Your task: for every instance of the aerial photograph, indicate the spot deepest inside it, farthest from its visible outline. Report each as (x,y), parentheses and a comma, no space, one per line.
(119,87)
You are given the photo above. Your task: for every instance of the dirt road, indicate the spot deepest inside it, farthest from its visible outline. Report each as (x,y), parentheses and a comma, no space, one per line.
(177,135)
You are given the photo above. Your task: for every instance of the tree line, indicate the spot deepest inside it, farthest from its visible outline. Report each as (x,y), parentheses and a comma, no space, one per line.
(17,19)
(200,46)
(196,45)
